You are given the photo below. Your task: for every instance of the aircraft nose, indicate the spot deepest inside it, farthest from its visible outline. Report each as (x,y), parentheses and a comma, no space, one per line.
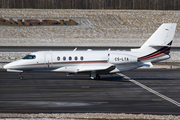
(7,66)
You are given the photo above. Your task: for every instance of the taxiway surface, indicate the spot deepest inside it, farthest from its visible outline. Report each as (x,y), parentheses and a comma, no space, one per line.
(43,92)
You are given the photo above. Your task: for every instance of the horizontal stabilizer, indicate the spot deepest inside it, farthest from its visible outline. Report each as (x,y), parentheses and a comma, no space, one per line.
(147,64)
(135,50)
(159,45)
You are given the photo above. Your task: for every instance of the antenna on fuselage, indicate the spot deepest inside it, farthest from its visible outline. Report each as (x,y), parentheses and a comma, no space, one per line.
(75,49)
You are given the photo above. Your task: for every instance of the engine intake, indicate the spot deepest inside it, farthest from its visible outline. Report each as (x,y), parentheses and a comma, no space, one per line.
(115,58)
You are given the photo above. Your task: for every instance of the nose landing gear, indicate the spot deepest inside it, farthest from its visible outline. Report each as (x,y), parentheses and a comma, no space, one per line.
(20,76)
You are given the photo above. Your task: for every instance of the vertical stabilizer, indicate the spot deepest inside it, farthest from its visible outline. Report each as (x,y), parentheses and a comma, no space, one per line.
(158,45)
(162,37)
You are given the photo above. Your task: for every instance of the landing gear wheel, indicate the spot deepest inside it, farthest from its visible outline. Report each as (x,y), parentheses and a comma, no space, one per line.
(21,77)
(97,77)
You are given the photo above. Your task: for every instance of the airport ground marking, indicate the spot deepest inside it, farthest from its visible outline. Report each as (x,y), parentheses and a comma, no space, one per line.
(149,89)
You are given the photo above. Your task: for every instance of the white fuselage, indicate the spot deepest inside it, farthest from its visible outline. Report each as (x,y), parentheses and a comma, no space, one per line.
(63,61)
(76,61)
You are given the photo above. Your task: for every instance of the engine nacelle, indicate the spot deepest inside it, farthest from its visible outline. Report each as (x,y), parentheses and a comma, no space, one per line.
(115,58)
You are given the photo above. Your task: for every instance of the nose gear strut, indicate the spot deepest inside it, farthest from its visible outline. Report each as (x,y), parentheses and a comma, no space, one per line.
(20,76)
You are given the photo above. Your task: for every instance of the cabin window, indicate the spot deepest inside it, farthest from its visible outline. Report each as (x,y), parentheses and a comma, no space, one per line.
(76,58)
(64,58)
(70,58)
(58,58)
(81,58)
(29,57)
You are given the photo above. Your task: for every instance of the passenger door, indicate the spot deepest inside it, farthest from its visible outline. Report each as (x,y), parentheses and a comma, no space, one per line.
(48,60)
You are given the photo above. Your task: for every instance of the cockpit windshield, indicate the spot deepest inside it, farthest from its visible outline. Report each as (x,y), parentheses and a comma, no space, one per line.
(29,57)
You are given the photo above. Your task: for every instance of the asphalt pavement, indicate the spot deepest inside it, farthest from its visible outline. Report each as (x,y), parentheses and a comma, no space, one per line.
(46,92)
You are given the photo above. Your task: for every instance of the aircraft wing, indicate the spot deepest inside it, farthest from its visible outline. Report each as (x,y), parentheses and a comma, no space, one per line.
(93,68)
(83,68)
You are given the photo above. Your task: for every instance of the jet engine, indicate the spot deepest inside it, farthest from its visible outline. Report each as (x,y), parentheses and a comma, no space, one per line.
(115,58)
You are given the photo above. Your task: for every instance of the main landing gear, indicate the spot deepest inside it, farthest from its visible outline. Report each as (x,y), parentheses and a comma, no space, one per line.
(20,76)
(95,76)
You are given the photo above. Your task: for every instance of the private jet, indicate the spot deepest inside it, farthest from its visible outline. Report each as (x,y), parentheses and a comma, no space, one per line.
(156,48)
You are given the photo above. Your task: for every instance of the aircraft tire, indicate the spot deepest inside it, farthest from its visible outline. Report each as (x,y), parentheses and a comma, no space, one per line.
(97,77)
(21,77)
